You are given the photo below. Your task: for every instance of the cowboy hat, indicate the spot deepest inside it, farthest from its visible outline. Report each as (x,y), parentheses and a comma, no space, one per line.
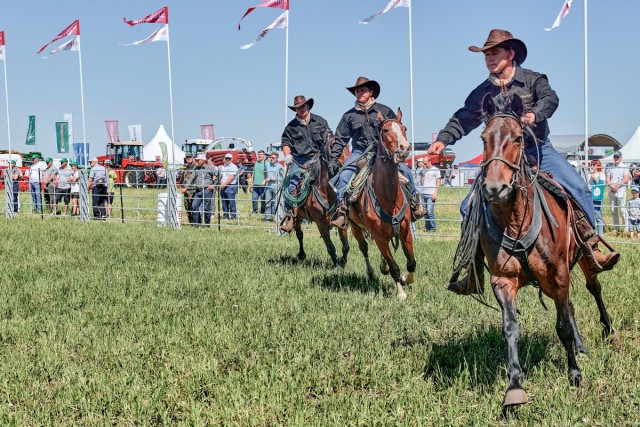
(503,38)
(363,81)
(299,101)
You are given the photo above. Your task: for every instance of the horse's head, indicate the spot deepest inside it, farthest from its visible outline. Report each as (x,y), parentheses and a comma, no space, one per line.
(503,145)
(393,138)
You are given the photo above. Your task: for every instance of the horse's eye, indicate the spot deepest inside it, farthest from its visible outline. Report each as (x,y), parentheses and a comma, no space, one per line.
(518,140)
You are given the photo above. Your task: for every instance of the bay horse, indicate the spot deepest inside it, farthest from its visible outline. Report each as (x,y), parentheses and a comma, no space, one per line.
(526,235)
(381,208)
(319,205)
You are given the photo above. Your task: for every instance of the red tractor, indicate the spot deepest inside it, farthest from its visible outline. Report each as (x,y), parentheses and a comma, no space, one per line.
(438,160)
(126,158)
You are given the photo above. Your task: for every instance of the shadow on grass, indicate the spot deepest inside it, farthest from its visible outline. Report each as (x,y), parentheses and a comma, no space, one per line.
(351,282)
(481,358)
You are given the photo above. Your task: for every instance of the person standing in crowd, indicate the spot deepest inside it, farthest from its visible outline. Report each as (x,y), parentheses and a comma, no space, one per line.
(448,175)
(633,206)
(597,180)
(228,187)
(63,192)
(75,189)
(112,178)
(361,126)
(301,139)
(202,182)
(257,185)
(618,177)
(49,178)
(273,175)
(98,185)
(503,58)
(185,175)
(635,176)
(35,182)
(16,176)
(430,182)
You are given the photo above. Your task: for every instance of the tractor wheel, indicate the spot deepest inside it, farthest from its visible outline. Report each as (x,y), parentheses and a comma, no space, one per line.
(131,178)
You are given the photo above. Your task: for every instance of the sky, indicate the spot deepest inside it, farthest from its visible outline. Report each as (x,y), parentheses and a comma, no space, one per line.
(242,92)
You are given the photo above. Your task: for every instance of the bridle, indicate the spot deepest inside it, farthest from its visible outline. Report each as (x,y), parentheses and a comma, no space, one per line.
(387,154)
(516,167)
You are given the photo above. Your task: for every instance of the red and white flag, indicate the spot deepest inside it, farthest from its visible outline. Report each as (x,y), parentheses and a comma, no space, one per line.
(159,35)
(280,22)
(112,131)
(1,45)
(71,45)
(73,29)
(391,5)
(206,131)
(276,4)
(159,17)
(563,12)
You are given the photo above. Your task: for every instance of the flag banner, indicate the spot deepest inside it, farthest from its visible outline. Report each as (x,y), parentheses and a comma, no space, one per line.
(135,132)
(62,137)
(78,152)
(68,117)
(159,35)
(206,131)
(31,132)
(1,53)
(276,4)
(73,29)
(280,22)
(112,131)
(563,12)
(71,45)
(159,17)
(392,4)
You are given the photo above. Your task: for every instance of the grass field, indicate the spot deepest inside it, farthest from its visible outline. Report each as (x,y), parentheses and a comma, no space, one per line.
(131,324)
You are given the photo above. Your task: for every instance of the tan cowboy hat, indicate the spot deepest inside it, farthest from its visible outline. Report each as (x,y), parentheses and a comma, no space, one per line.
(503,38)
(299,101)
(363,81)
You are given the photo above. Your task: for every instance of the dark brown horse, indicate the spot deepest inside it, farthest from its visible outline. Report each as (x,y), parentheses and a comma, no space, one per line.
(319,205)
(382,209)
(526,237)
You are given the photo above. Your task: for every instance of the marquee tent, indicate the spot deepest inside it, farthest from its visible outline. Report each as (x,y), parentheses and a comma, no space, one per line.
(572,144)
(161,145)
(631,150)
(473,162)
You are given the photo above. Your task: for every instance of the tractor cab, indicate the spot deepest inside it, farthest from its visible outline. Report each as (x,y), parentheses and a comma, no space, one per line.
(122,153)
(195,146)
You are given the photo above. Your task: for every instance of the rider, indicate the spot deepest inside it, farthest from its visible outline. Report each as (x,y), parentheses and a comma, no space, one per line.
(504,55)
(301,140)
(361,125)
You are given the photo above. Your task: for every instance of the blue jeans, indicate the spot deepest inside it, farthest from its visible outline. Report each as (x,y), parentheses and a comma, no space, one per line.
(430,217)
(597,207)
(228,196)
(257,198)
(34,188)
(16,193)
(270,202)
(201,206)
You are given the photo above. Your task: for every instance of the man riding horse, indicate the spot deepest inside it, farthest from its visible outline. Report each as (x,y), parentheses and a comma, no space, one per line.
(361,125)
(301,140)
(504,56)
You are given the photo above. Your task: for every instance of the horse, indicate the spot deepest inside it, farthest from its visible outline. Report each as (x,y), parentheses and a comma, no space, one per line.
(526,236)
(319,205)
(381,208)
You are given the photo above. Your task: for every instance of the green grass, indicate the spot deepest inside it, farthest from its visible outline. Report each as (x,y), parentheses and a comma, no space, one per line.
(105,323)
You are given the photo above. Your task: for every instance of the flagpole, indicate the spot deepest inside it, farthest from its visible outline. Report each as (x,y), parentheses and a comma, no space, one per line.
(6,92)
(84,133)
(586,90)
(286,69)
(413,154)
(173,139)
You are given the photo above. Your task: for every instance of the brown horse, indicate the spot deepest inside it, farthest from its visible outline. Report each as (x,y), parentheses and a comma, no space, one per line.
(319,205)
(382,209)
(526,236)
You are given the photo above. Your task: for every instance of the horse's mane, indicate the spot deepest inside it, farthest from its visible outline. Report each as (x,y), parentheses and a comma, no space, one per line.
(503,103)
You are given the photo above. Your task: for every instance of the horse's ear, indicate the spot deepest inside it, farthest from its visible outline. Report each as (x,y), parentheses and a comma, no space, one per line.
(516,105)
(399,115)
(380,117)
(488,106)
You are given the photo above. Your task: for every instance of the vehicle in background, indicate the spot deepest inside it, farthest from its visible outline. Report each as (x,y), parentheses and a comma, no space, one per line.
(23,161)
(195,146)
(441,160)
(125,156)
(241,149)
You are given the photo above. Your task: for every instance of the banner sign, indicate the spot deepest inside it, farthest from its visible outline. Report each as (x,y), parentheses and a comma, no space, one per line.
(62,137)
(112,131)
(206,131)
(135,132)
(68,117)
(78,152)
(31,132)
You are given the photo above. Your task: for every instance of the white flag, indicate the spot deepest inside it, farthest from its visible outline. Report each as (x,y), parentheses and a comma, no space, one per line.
(1,53)
(135,132)
(159,35)
(392,4)
(71,45)
(68,117)
(563,12)
(280,22)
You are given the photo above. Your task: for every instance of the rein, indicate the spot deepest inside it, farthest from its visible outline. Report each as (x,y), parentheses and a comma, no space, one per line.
(388,154)
(514,166)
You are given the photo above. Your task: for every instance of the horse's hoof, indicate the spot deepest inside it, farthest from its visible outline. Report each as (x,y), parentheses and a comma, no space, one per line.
(583,356)
(408,278)
(402,296)
(516,396)
(575,378)
(615,340)
(302,256)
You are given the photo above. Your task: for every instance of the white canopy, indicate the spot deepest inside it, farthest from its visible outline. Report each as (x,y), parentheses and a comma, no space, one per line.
(162,145)
(631,150)
(571,144)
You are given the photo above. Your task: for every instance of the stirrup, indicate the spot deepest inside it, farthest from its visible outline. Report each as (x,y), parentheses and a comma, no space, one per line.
(340,218)
(461,287)
(417,207)
(286,224)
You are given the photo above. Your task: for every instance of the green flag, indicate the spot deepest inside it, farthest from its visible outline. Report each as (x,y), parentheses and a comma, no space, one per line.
(31,132)
(62,136)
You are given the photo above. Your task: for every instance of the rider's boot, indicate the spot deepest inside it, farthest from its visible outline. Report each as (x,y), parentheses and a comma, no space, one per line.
(286,224)
(340,218)
(588,241)
(418,210)
(466,285)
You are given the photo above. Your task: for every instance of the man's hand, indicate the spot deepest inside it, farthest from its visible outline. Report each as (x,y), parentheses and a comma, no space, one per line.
(436,148)
(288,159)
(528,119)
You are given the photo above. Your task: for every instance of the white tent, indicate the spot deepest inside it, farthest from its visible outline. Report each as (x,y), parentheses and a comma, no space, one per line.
(631,150)
(161,145)
(573,144)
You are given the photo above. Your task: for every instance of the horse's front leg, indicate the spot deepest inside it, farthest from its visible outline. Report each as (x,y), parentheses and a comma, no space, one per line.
(394,270)
(505,290)
(364,248)
(323,227)
(565,330)
(595,289)
(300,235)
(407,248)
(344,240)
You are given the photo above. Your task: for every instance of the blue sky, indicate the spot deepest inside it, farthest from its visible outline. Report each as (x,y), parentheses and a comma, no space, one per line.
(242,91)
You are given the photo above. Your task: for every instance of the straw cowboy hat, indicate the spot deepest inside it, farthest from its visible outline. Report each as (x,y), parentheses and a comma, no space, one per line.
(299,101)
(503,38)
(363,81)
